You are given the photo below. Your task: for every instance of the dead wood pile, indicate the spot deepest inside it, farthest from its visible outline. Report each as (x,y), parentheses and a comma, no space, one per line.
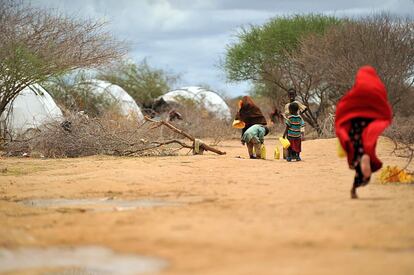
(80,135)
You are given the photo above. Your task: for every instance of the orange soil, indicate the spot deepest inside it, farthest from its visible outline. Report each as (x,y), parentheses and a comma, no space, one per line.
(240,216)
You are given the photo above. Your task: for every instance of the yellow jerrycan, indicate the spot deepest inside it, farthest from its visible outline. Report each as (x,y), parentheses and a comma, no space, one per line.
(263,151)
(285,142)
(341,152)
(277,153)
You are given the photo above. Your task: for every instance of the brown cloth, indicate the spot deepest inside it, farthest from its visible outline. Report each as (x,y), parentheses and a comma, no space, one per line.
(249,113)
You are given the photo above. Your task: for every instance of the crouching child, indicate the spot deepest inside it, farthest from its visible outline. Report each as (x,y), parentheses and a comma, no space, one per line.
(253,137)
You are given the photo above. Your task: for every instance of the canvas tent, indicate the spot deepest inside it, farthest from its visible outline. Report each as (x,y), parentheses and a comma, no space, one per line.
(209,100)
(32,107)
(127,104)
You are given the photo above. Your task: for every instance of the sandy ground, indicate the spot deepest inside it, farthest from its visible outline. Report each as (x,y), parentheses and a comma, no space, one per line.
(239,216)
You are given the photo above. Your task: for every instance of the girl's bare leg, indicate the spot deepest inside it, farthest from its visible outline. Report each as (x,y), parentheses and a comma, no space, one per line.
(250,149)
(257,149)
(353,193)
(361,161)
(366,166)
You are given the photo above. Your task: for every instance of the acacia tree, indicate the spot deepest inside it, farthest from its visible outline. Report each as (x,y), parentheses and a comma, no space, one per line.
(36,44)
(263,55)
(141,81)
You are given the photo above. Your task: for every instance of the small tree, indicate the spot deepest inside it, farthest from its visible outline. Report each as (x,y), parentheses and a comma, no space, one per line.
(141,81)
(265,54)
(260,49)
(36,44)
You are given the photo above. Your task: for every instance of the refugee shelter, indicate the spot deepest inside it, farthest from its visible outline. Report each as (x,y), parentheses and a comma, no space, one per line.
(211,101)
(127,105)
(32,107)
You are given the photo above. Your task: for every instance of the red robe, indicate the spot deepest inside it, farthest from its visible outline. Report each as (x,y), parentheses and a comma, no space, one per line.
(367,99)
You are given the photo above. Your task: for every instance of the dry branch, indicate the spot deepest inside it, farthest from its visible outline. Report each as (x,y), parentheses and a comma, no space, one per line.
(80,135)
(202,145)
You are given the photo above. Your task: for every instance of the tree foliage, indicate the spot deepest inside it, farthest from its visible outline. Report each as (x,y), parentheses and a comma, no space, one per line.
(141,81)
(36,44)
(382,41)
(260,48)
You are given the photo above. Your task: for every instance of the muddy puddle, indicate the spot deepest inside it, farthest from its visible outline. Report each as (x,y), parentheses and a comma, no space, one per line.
(80,260)
(99,204)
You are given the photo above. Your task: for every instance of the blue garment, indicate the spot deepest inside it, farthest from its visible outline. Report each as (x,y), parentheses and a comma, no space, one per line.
(294,124)
(254,134)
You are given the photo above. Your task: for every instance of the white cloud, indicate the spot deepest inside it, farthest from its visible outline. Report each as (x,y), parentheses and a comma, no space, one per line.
(189,36)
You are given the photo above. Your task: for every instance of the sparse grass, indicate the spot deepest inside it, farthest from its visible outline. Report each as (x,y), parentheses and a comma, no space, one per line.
(21,169)
(26,166)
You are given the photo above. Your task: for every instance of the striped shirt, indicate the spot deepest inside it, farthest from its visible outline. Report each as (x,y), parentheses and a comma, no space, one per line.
(294,124)
(302,109)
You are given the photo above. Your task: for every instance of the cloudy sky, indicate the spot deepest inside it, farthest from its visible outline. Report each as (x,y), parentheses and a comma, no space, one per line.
(189,37)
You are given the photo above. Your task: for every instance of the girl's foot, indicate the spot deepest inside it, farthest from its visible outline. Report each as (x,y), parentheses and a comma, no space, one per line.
(289,159)
(366,167)
(353,193)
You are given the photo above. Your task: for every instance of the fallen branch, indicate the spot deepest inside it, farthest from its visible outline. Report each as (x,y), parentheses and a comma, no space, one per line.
(156,145)
(202,145)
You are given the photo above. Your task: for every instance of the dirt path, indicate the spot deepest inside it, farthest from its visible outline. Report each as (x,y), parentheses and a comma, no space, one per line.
(238,216)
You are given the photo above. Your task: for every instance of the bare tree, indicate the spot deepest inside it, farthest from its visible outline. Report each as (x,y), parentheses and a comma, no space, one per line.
(383,41)
(308,85)
(36,44)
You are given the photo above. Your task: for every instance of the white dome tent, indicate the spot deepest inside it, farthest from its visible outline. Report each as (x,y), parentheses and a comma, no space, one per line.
(32,107)
(210,100)
(127,104)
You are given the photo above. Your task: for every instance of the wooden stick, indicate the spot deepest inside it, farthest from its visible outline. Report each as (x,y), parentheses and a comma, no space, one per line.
(212,149)
(156,145)
(172,127)
(181,132)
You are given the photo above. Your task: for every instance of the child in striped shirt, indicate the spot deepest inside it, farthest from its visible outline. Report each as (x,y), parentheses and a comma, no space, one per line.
(294,123)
